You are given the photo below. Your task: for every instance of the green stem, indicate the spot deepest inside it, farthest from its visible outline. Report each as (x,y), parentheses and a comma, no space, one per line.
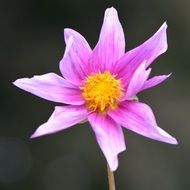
(111,179)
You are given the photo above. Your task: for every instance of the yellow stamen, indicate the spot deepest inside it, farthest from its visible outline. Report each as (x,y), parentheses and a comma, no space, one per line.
(102,91)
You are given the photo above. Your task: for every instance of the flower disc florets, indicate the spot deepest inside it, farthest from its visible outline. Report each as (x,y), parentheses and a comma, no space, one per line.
(102,91)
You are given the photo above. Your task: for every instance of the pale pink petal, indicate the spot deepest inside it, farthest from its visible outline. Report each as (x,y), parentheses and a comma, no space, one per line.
(51,87)
(148,52)
(109,136)
(139,118)
(137,81)
(111,44)
(154,81)
(74,64)
(62,118)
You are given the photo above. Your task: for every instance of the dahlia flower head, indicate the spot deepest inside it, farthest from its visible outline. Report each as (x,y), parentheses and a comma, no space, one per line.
(100,86)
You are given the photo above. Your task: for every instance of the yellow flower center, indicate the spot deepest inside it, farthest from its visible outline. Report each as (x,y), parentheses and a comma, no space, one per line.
(102,91)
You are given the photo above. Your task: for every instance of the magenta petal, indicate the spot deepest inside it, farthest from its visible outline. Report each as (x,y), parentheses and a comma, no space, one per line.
(137,81)
(139,118)
(148,52)
(111,44)
(74,65)
(154,81)
(109,136)
(62,118)
(51,87)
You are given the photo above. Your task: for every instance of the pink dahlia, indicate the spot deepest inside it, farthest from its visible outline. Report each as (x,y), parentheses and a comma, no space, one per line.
(101,85)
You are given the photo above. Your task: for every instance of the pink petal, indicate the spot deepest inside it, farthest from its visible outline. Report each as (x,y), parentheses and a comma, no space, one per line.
(74,65)
(139,118)
(109,136)
(154,81)
(51,87)
(148,52)
(62,118)
(137,81)
(111,44)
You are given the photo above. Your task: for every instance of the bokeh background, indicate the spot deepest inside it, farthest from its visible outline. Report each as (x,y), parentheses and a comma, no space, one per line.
(31,43)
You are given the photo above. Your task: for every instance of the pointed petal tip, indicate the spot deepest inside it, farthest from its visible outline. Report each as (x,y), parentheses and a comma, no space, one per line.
(163,26)
(154,81)
(162,33)
(35,135)
(19,82)
(167,75)
(38,134)
(173,141)
(68,33)
(165,137)
(115,162)
(111,9)
(67,29)
(113,165)
(14,83)
(113,168)
(162,30)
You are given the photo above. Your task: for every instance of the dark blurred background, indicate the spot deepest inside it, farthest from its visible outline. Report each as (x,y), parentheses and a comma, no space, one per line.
(31,43)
